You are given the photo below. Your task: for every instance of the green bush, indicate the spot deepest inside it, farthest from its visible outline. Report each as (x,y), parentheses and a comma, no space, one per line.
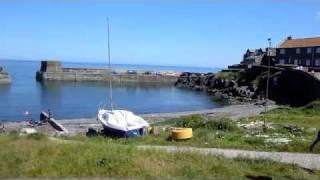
(36,136)
(197,121)
(256,141)
(13,135)
(223,124)
(228,75)
(315,105)
(312,108)
(193,121)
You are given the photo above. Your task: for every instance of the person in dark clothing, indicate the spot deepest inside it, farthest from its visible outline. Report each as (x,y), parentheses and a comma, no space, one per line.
(315,141)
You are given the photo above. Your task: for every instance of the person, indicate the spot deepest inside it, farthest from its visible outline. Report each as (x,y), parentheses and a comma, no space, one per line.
(2,129)
(315,141)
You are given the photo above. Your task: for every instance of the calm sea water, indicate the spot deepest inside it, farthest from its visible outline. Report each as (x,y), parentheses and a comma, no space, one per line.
(81,99)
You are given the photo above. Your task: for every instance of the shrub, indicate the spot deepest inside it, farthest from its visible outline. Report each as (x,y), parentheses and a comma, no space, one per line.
(36,136)
(313,105)
(223,124)
(14,135)
(197,121)
(193,121)
(255,141)
(312,108)
(228,75)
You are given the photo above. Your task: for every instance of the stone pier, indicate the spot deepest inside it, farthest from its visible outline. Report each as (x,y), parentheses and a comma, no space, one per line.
(53,71)
(4,76)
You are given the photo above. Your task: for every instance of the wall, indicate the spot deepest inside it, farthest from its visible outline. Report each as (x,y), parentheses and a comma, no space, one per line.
(290,54)
(4,76)
(57,73)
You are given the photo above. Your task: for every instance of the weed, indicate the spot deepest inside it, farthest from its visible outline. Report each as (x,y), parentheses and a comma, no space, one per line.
(105,157)
(36,136)
(222,124)
(193,121)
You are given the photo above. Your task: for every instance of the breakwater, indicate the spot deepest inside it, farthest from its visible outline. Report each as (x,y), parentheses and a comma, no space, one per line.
(4,76)
(53,71)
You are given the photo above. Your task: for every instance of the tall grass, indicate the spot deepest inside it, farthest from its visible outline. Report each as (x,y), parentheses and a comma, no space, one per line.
(42,157)
(222,132)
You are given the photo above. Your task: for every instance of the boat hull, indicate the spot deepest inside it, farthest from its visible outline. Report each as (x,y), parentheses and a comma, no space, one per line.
(125,134)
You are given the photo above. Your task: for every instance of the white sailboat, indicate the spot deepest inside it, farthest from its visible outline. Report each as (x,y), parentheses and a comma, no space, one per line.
(120,123)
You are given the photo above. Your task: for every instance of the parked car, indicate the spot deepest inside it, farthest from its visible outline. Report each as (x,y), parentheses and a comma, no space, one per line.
(131,72)
(158,73)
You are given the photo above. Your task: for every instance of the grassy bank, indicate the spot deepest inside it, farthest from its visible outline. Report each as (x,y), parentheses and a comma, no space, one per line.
(80,156)
(38,156)
(224,133)
(307,116)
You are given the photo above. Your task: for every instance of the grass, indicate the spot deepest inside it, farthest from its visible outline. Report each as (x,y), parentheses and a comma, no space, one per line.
(38,156)
(307,116)
(222,139)
(224,133)
(228,75)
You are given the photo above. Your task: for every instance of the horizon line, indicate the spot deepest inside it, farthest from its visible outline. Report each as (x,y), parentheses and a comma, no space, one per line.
(101,62)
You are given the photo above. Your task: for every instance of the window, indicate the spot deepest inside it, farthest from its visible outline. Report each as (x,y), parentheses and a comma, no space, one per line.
(308,62)
(296,61)
(309,50)
(298,51)
(282,61)
(318,50)
(282,51)
(317,62)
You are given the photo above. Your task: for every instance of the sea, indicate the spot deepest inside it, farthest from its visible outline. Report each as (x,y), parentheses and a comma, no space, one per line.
(70,100)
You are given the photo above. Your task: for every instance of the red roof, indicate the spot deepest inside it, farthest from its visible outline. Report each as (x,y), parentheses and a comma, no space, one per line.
(303,42)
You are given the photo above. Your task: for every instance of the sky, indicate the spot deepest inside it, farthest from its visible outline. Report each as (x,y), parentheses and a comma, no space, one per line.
(179,33)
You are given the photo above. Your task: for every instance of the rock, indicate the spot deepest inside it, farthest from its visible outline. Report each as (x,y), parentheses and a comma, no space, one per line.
(255,126)
(285,85)
(311,130)
(59,133)
(26,131)
(155,130)
(252,177)
(278,140)
(4,76)
(92,132)
(2,129)
(292,128)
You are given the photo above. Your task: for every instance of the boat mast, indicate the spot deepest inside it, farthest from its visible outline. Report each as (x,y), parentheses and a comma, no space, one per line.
(109,68)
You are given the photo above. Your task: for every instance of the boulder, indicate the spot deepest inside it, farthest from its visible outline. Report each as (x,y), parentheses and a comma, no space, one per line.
(26,131)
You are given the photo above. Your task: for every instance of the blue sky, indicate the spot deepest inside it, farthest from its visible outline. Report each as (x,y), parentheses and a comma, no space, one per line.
(184,33)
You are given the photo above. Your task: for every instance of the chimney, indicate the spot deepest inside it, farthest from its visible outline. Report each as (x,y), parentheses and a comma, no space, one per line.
(289,38)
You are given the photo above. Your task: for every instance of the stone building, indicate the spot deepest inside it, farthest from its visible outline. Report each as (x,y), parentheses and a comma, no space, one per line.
(300,52)
(253,56)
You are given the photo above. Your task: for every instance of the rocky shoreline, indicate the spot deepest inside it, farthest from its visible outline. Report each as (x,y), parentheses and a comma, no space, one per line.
(286,86)
(81,125)
(221,88)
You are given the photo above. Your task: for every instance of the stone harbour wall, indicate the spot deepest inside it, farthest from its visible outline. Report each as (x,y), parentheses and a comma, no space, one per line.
(4,76)
(53,71)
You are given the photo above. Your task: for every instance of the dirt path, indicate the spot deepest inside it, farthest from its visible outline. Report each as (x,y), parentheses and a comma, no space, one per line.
(309,161)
